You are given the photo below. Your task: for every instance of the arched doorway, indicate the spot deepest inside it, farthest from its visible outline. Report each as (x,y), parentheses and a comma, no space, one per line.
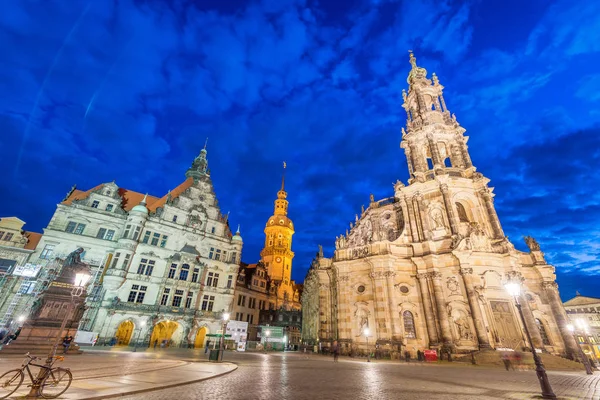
(163,331)
(124,332)
(200,338)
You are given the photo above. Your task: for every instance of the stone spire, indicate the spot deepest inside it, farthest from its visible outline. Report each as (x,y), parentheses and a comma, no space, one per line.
(433,141)
(199,167)
(281,204)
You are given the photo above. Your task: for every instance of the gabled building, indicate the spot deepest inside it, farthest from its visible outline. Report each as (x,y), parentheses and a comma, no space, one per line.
(164,266)
(584,314)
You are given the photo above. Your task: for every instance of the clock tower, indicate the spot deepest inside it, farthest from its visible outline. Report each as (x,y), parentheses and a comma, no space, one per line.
(277,253)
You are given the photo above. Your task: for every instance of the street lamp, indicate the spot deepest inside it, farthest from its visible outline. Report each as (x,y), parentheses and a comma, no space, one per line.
(514,289)
(368,352)
(142,325)
(268,333)
(584,359)
(82,277)
(221,345)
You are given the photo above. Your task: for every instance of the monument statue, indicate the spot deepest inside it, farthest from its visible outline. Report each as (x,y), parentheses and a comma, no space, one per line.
(532,243)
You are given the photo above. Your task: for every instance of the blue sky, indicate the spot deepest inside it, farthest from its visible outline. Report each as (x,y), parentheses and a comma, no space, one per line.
(129,90)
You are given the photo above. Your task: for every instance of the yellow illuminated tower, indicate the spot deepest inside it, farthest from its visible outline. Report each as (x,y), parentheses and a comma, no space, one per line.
(277,254)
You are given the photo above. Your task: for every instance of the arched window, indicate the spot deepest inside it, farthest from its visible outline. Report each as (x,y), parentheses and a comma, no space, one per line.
(462,213)
(409,325)
(543,333)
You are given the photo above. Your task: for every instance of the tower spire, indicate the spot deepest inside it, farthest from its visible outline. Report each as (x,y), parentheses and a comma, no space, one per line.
(283,177)
(199,167)
(205,143)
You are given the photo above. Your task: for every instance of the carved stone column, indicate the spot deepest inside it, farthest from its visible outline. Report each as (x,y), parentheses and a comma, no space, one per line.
(409,160)
(443,103)
(428,308)
(482,336)
(534,331)
(393,312)
(450,209)
(435,153)
(491,211)
(464,150)
(416,200)
(560,316)
(440,301)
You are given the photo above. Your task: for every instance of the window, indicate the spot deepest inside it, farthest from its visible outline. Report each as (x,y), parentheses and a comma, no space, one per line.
(211,253)
(188,300)
(155,239)
(137,293)
(136,234)
(462,213)
(95,204)
(146,237)
(126,261)
(126,233)
(195,275)
(110,234)
(163,241)
(218,255)
(262,284)
(101,233)
(248,318)
(237,316)
(409,325)
(109,207)
(115,260)
(212,230)
(234,257)
(261,304)
(208,303)
(79,229)
(174,218)
(108,193)
(146,267)
(27,287)
(212,279)
(242,300)
(172,271)
(70,227)
(251,302)
(1,234)
(165,297)
(543,332)
(271,306)
(255,282)
(47,252)
(229,281)
(183,274)
(224,256)
(177,298)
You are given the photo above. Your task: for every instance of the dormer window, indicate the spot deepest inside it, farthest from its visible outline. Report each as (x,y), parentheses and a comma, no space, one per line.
(95,204)
(109,207)
(174,218)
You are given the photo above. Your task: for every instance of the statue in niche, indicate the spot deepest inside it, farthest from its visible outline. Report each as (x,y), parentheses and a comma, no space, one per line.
(437,219)
(362,315)
(478,239)
(462,326)
(532,243)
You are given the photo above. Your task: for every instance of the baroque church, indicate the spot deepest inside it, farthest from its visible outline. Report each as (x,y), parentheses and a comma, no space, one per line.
(426,267)
(164,267)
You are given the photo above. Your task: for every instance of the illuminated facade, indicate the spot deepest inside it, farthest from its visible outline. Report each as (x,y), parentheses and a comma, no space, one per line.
(584,314)
(164,267)
(426,267)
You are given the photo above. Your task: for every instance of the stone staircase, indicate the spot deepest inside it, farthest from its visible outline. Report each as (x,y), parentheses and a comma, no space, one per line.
(491,358)
(36,347)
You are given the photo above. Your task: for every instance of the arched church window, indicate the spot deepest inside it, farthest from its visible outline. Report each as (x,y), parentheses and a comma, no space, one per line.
(543,332)
(462,213)
(409,325)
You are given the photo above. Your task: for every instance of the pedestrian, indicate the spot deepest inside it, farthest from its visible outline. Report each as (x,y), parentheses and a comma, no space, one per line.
(407,356)
(506,361)
(335,349)
(67,343)
(155,343)
(206,347)
(518,357)
(419,355)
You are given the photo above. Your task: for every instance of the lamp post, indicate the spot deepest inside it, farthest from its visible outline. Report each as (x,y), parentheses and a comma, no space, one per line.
(584,359)
(82,277)
(268,333)
(221,345)
(368,352)
(142,325)
(514,289)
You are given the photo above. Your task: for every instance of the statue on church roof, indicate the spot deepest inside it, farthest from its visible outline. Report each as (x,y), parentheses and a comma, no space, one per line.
(532,243)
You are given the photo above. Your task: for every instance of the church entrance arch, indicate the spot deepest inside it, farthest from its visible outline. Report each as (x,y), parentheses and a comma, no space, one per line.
(508,331)
(164,334)
(124,332)
(200,338)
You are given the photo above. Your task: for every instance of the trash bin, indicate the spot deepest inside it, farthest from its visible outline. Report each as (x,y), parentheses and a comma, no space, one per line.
(214,355)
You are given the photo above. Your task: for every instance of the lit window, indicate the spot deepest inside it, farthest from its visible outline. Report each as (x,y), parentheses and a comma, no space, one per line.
(47,252)
(95,204)
(101,233)
(177,298)
(110,234)
(208,303)
(109,207)
(137,294)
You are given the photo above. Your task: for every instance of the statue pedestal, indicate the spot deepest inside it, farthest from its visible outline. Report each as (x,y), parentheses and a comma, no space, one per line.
(42,328)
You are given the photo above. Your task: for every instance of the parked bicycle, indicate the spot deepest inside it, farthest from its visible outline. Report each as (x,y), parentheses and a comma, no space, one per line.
(53,383)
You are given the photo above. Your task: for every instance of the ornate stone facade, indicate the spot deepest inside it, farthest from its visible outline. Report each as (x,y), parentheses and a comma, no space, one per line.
(425,268)
(164,267)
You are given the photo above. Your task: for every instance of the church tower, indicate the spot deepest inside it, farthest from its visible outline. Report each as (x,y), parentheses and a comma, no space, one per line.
(277,253)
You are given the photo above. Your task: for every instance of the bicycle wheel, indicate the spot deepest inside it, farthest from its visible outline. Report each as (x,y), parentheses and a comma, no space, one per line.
(10,382)
(56,383)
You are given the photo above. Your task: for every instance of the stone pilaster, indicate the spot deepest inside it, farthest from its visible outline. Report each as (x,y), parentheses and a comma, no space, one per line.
(416,200)
(491,211)
(560,316)
(442,313)
(435,153)
(409,160)
(392,309)
(464,151)
(450,209)
(482,336)
(428,307)
(406,206)
(381,317)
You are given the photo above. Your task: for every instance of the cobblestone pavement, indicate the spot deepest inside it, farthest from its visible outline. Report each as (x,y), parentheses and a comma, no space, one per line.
(297,376)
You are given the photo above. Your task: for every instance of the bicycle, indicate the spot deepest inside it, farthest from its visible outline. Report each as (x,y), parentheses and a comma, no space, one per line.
(53,383)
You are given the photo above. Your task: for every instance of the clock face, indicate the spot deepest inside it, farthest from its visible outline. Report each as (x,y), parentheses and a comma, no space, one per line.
(278,259)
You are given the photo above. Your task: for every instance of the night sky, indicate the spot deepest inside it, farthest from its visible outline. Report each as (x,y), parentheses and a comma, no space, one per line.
(98,91)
